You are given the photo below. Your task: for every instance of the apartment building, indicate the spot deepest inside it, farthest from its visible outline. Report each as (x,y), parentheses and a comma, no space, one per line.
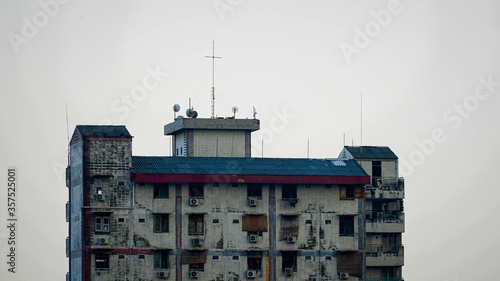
(213,212)
(385,220)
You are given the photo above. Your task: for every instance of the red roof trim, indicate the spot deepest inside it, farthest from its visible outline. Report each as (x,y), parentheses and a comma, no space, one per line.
(224,178)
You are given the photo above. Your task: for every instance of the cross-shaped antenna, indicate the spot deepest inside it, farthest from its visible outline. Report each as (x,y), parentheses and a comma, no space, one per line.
(213,57)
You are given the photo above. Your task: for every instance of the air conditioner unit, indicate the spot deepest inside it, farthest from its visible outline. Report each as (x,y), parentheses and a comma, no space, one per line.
(291,239)
(99,197)
(162,274)
(197,242)
(252,238)
(344,275)
(288,271)
(194,202)
(252,202)
(193,274)
(251,274)
(102,241)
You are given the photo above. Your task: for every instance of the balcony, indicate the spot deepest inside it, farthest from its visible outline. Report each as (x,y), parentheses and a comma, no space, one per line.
(386,188)
(384,255)
(385,222)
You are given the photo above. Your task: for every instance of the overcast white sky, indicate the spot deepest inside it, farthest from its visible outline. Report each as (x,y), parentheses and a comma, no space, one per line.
(303,65)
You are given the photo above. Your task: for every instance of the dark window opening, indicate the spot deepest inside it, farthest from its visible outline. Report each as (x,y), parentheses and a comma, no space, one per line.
(160,190)
(121,220)
(197,266)
(142,220)
(121,256)
(254,260)
(347,192)
(236,221)
(346,226)
(254,190)
(376,169)
(196,190)
(102,224)
(160,223)
(236,257)
(235,185)
(101,261)
(289,191)
(215,221)
(215,257)
(161,259)
(289,260)
(328,222)
(196,226)
(308,221)
(141,257)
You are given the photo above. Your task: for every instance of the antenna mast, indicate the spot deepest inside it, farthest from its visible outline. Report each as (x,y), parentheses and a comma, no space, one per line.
(67,130)
(361,146)
(213,57)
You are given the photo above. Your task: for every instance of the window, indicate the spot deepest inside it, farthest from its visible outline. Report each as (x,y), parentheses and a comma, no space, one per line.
(289,191)
(141,257)
(346,226)
(121,220)
(215,221)
(195,190)
(160,190)
(160,223)
(121,257)
(142,220)
(215,257)
(99,190)
(102,224)
(308,221)
(289,260)
(346,192)
(236,257)
(236,221)
(101,261)
(161,259)
(195,224)
(254,260)
(328,222)
(254,190)
(376,169)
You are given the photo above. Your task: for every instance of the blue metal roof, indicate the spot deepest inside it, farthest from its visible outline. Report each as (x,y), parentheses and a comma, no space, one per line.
(371,152)
(245,166)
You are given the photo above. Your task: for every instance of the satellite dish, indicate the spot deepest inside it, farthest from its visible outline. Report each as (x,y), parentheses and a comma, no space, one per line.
(190,112)
(195,114)
(177,108)
(235,109)
(179,117)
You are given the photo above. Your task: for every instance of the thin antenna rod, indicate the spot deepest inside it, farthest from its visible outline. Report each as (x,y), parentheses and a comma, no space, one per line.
(361,145)
(344,138)
(307,148)
(262,148)
(213,57)
(67,129)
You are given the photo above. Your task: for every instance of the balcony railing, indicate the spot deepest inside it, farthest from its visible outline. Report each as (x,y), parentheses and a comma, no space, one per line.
(384,217)
(389,188)
(391,250)
(390,184)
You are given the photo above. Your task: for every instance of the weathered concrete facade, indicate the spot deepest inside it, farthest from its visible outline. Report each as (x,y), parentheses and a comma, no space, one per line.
(385,218)
(212,218)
